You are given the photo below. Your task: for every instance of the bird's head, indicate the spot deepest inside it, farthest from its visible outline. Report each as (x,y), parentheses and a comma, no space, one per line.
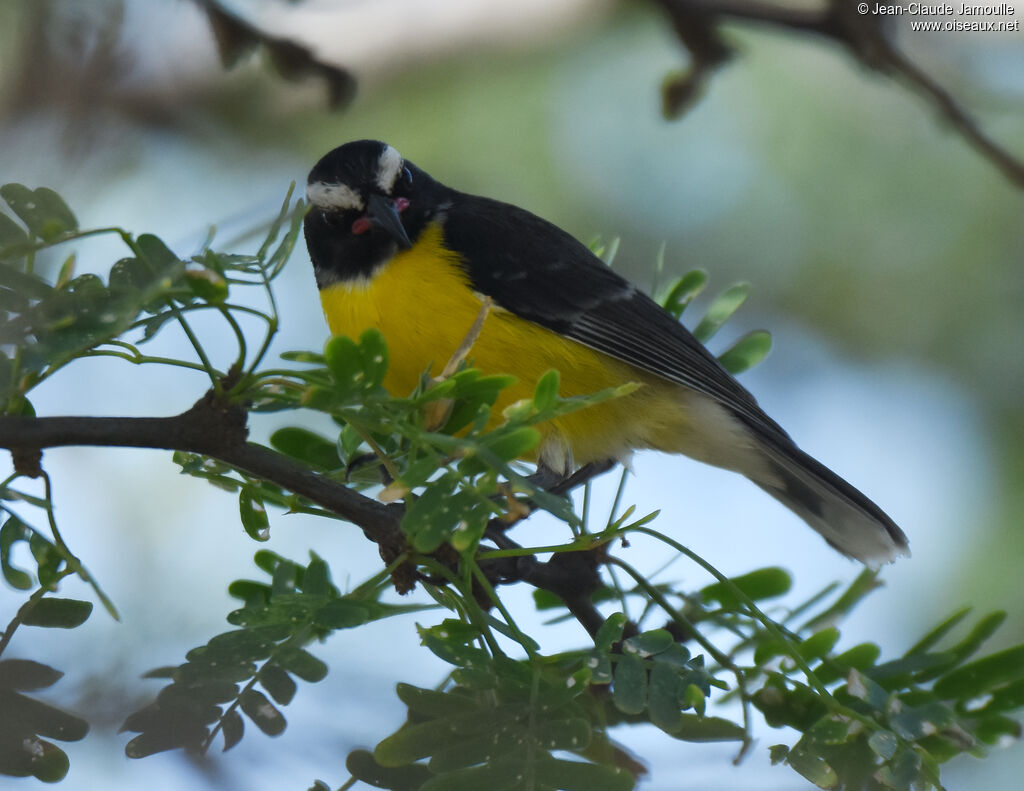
(364,208)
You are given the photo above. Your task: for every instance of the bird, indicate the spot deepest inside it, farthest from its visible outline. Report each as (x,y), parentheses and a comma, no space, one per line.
(396,250)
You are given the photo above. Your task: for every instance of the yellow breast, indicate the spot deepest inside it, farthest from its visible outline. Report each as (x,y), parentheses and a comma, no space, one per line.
(423,304)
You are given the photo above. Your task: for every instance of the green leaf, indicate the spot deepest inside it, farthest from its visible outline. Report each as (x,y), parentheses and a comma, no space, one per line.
(151,742)
(341,614)
(488,718)
(362,765)
(128,276)
(864,688)
(629,691)
(316,579)
(13,531)
(723,306)
(10,232)
(308,447)
(374,353)
(903,770)
(49,560)
(915,722)
(600,666)
(277,682)
(865,583)
(813,767)
(444,513)
(747,352)
(6,371)
(663,697)
(579,776)
(761,584)
(798,707)
(819,644)
(66,273)
(302,663)
(650,643)
(282,254)
(44,761)
(207,284)
(983,630)
(610,631)
(58,613)
(683,291)
(42,210)
(507,444)
(861,657)
(25,674)
(250,592)
(233,727)
(253,513)
(830,731)
(883,744)
(285,579)
(572,734)
(1007,698)
(940,631)
(503,776)
(982,675)
(344,363)
(158,258)
(411,743)
(239,645)
(918,667)
(262,712)
(503,743)
(694,698)
(432,703)
(28,285)
(546,392)
(992,729)
(36,717)
(694,728)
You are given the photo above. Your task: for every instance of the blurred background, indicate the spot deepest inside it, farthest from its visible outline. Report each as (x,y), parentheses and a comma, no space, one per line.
(885,255)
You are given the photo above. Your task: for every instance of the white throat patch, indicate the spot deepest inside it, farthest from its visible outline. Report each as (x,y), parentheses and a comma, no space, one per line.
(388,167)
(333,196)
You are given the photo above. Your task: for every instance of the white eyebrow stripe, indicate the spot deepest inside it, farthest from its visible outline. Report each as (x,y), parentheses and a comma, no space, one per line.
(388,167)
(333,196)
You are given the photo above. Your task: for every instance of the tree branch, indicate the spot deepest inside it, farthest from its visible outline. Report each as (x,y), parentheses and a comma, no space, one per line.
(206,428)
(697,23)
(218,431)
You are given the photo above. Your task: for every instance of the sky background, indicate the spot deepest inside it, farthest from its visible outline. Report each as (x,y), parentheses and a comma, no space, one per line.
(885,256)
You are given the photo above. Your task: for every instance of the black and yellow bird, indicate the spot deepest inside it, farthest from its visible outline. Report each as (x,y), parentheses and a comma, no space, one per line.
(396,250)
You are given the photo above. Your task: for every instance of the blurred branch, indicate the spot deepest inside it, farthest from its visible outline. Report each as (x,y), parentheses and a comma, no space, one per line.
(698,22)
(237,38)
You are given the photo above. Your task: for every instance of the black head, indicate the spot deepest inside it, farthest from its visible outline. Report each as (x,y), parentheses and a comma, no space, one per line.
(366,205)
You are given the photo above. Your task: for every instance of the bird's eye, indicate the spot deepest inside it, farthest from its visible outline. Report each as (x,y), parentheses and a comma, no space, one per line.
(330,218)
(407,176)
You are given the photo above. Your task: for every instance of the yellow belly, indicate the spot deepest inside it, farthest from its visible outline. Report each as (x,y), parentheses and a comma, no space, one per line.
(422,303)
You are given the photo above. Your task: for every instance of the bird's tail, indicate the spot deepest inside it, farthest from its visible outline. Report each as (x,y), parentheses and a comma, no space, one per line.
(843,515)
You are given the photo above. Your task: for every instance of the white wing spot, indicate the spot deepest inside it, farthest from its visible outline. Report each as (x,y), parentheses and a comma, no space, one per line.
(334,196)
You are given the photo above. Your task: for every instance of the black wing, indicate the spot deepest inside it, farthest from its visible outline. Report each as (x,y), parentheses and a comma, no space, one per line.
(539,272)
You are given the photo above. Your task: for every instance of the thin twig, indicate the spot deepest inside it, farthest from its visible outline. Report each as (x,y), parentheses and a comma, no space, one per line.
(865,36)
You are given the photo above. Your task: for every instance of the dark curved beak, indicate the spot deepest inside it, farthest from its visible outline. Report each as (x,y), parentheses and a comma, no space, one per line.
(381,212)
